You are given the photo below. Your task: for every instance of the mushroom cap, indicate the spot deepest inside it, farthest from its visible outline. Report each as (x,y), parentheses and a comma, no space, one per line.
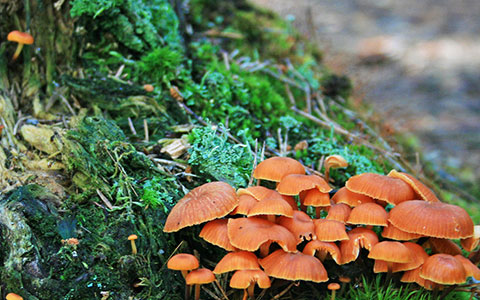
(343,195)
(471,269)
(204,203)
(393,233)
(335,161)
(414,276)
(20,37)
(422,190)
(418,254)
(359,238)
(294,266)
(132,237)
(339,212)
(275,168)
(245,203)
(330,230)
(333,286)
(216,232)
(183,262)
(200,276)
(294,184)
(469,244)
(301,225)
(258,192)
(241,260)
(242,279)
(391,252)
(249,233)
(389,189)
(316,198)
(323,247)
(443,269)
(13,296)
(433,219)
(368,214)
(271,204)
(444,246)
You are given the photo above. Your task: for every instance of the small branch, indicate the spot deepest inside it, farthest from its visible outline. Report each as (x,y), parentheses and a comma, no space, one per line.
(132,128)
(170,163)
(145,128)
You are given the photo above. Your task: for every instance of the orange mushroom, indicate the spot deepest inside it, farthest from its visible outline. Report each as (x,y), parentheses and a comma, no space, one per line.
(199,277)
(241,260)
(443,269)
(359,238)
(183,262)
(339,212)
(132,239)
(215,232)
(368,214)
(275,168)
(294,266)
(333,162)
(330,230)
(381,187)
(245,203)
(333,287)
(434,219)
(322,249)
(246,279)
(13,296)
(393,233)
(22,38)
(422,190)
(271,205)
(207,202)
(301,225)
(343,195)
(391,252)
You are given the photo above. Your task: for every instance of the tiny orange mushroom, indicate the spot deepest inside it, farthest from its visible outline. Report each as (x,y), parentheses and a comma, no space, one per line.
(22,38)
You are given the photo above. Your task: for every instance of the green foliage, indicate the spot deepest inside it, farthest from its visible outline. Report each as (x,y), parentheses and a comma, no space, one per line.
(360,158)
(92,7)
(377,289)
(160,64)
(161,192)
(213,156)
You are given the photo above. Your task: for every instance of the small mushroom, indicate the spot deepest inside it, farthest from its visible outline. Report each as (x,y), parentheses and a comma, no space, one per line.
(334,162)
(199,277)
(183,262)
(21,38)
(13,296)
(132,239)
(333,287)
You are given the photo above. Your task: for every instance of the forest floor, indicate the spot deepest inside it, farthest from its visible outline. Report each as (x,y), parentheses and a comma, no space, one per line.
(416,63)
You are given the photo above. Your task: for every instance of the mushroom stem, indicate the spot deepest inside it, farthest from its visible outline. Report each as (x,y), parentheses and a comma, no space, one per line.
(327,174)
(245,294)
(264,248)
(134,247)
(271,218)
(333,295)
(187,291)
(389,272)
(197,292)
(251,290)
(17,52)
(318,210)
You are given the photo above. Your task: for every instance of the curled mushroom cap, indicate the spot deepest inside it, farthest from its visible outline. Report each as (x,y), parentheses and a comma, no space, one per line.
(294,184)
(443,269)
(418,254)
(422,190)
(339,212)
(444,246)
(271,204)
(250,233)
(245,203)
(241,260)
(330,230)
(391,252)
(207,202)
(335,161)
(381,187)
(294,266)
(393,233)
(301,225)
(359,238)
(215,232)
(242,279)
(433,219)
(471,269)
(275,168)
(414,276)
(469,244)
(321,249)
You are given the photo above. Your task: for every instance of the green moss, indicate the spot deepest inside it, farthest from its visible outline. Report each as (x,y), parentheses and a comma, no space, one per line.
(216,158)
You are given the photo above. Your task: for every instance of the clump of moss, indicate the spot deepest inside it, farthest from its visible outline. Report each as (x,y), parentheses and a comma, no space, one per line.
(216,158)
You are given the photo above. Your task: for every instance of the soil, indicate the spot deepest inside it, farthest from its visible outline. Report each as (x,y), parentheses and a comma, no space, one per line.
(417,63)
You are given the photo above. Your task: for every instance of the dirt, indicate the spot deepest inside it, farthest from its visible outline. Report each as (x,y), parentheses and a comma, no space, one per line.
(417,63)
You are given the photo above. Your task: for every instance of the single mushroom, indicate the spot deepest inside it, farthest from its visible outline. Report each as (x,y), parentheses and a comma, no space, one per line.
(334,162)
(199,277)
(132,239)
(391,252)
(333,287)
(241,260)
(246,279)
(21,38)
(215,232)
(183,262)
(13,296)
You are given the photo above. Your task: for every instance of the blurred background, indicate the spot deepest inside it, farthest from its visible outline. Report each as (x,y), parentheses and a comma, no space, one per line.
(416,63)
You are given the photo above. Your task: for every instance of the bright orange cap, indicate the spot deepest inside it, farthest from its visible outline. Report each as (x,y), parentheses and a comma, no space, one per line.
(13,296)
(20,37)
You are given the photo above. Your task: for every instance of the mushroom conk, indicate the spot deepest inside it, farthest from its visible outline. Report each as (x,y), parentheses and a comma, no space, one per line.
(22,38)
(207,202)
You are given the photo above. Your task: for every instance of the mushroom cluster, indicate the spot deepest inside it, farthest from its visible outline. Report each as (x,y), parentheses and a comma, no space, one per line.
(269,233)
